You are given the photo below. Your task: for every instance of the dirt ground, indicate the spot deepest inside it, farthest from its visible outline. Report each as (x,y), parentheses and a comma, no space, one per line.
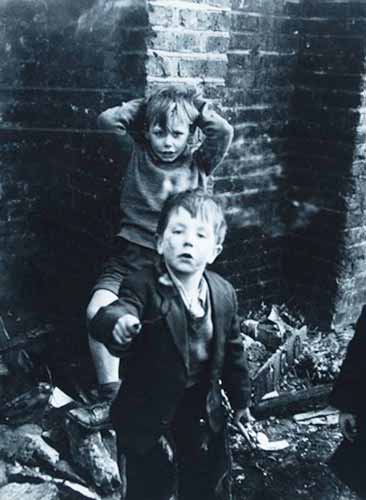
(298,472)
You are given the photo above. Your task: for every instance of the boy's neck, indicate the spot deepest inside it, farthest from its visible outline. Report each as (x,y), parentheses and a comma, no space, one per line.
(190,282)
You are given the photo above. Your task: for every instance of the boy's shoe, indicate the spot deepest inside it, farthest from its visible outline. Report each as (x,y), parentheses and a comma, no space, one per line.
(94,417)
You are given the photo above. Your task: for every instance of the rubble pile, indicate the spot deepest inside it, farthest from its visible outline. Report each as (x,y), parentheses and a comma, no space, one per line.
(70,462)
(292,404)
(292,367)
(44,454)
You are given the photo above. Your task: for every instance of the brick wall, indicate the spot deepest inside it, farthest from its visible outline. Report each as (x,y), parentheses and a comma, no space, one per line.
(324,175)
(287,74)
(242,54)
(189,43)
(62,63)
(261,58)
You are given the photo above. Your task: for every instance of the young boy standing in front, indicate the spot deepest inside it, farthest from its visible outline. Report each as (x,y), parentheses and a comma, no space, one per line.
(179,322)
(163,161)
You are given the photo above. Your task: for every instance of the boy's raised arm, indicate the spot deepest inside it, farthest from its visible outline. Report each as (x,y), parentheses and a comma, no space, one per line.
(218,137)
(127,118)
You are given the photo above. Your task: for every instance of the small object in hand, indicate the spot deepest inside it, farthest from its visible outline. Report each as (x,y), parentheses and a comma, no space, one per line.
(137,328)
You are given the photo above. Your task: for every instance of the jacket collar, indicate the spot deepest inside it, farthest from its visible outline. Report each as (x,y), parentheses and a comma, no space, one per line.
(176,318)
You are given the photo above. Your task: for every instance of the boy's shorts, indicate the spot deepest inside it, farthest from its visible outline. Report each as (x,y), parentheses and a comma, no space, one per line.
(127,257)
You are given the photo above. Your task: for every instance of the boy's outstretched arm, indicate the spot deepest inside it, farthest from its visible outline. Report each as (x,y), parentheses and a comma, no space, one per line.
(218,137)
(116,324)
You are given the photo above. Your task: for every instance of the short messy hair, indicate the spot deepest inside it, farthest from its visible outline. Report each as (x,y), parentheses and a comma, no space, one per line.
(196,202)
(174,99)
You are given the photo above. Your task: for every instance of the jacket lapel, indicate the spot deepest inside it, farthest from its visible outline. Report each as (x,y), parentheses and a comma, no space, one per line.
(175,318)
(177,321)
(219,309)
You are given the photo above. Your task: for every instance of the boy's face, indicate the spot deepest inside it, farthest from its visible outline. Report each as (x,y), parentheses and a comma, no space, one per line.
(188,243)
(169,143)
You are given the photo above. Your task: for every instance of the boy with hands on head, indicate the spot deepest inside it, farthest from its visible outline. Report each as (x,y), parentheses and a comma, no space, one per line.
(179,323)
(163,160)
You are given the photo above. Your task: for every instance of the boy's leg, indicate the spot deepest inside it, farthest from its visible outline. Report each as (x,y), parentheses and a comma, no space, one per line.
(106,365)
(202,456)
(190,433)
(148,476)
(126,258)
(105,292)
(96,415)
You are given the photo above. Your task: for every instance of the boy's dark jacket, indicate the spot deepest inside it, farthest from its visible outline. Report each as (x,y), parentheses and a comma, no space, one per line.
(156,373)
(349,393)
(348,460)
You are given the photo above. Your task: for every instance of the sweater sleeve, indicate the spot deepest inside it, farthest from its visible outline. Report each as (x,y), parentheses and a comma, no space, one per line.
(131,301)
(125,119)
(236,379)
(218,137)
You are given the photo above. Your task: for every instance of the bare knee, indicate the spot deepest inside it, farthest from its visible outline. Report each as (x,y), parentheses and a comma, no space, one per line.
(100,298)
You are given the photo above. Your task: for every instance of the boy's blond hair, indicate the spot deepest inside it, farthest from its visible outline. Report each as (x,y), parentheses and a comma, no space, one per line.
(198,203)
(171,101)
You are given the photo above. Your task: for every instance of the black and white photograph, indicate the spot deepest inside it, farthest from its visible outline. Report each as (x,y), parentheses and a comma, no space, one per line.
(182,249)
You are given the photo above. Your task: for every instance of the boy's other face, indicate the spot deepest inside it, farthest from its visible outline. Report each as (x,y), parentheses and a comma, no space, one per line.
(169,143)
(188,243)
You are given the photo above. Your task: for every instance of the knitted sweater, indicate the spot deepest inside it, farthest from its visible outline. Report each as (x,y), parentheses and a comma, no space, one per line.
(149,181)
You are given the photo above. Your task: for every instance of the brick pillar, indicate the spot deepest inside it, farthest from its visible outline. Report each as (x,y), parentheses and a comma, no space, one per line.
(351,271)
(188,43)
(325,161)
(261,57)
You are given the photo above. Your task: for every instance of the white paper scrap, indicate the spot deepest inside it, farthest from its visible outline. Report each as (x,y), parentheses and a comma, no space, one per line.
(59,398)
(274,445)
